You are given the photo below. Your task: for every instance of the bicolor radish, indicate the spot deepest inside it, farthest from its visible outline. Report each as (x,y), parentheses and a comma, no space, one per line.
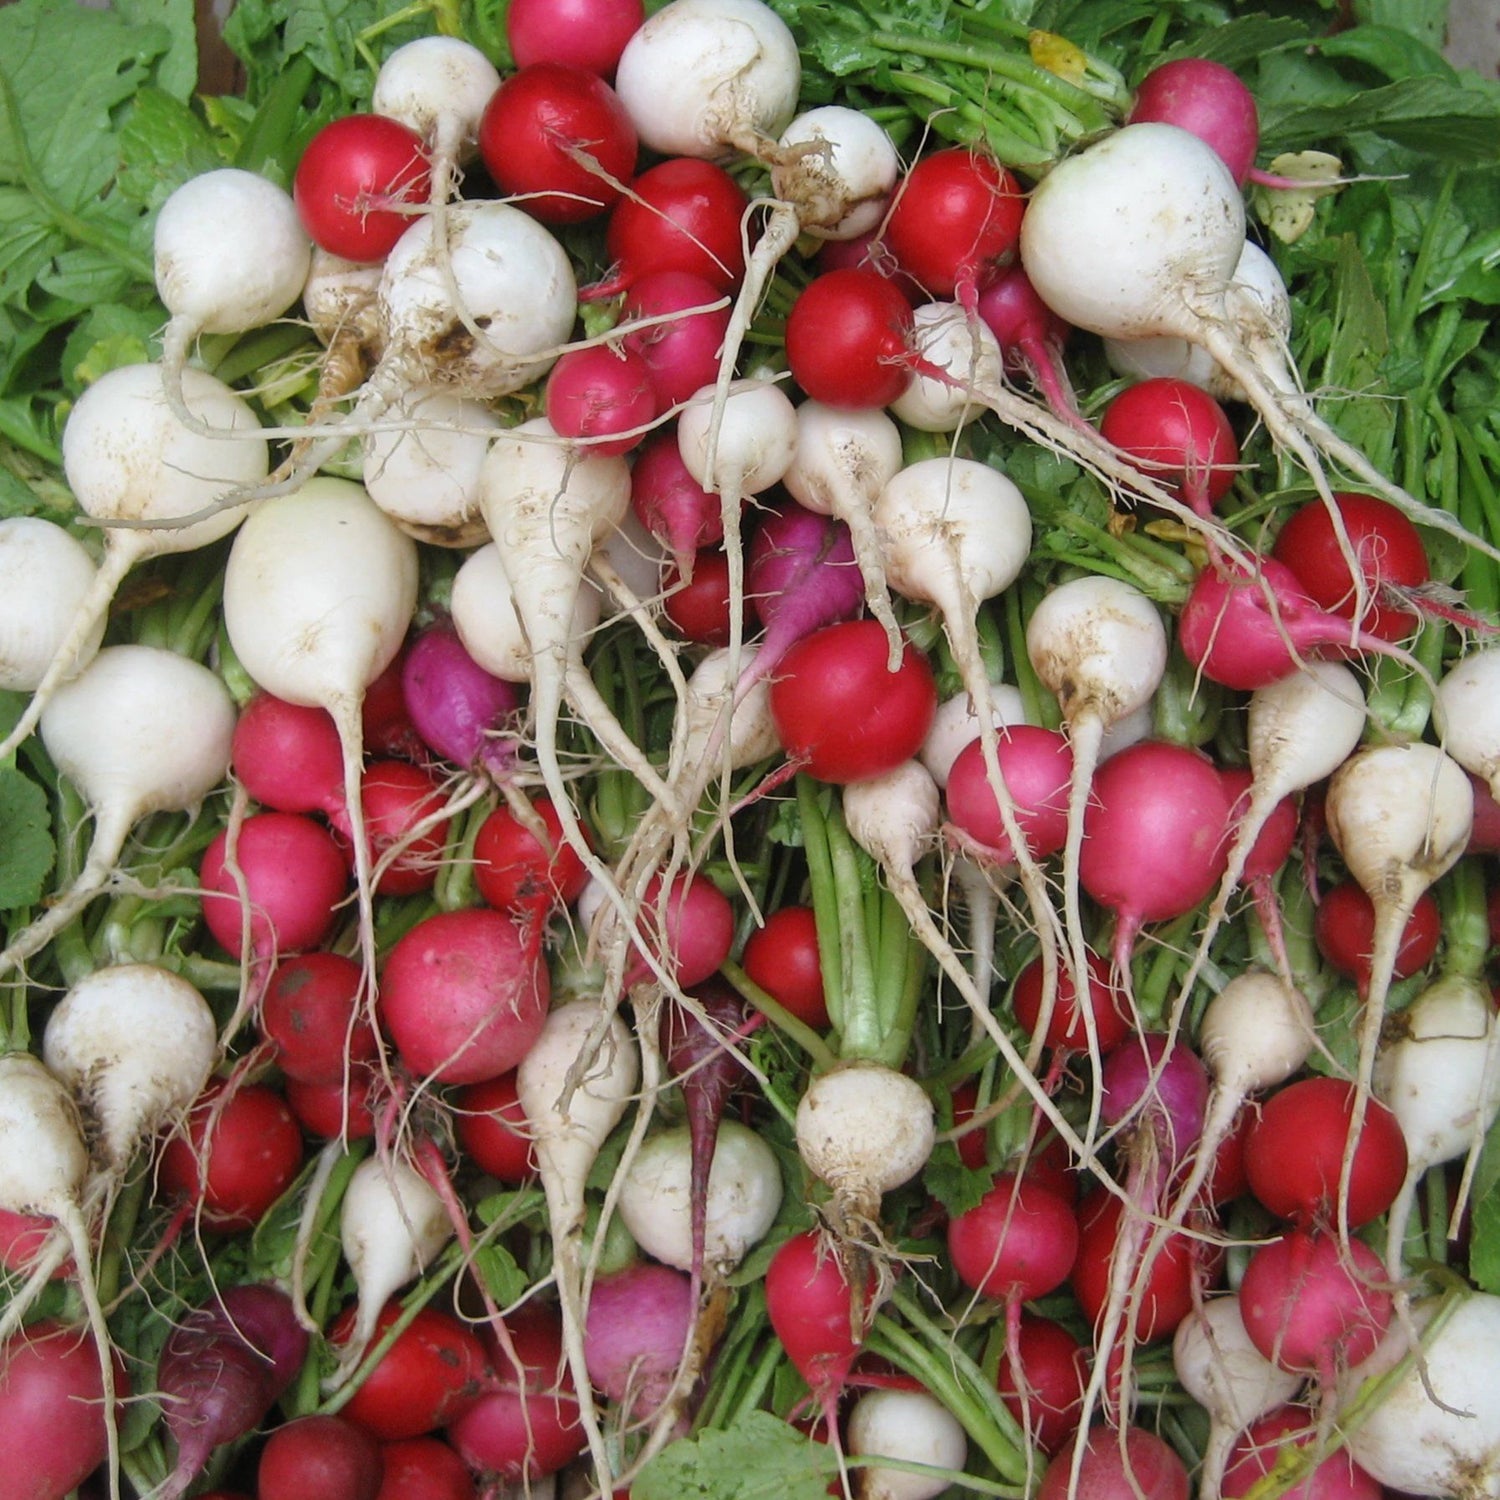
(135,468)
(171,724)
(45,576)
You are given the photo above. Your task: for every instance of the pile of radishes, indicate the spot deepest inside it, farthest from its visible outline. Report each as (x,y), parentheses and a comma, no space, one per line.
(719,821)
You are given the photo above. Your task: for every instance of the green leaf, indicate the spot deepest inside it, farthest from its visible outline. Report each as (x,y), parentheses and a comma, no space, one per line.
(1444,118)
(1426,20)
(760,1458)
(957,1187)
(1484,1241)
(1361,405)
(177,72)
(26,847)
(162,144)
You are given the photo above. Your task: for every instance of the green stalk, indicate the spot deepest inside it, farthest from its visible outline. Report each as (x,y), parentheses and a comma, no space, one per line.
(276,120)
(780,1017)
(1462,900)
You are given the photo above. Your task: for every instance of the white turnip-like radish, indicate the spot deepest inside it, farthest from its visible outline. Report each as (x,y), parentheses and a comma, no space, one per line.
(318,595)
(1466,710)
(837,167)
(128,460)
(913,1427)
(1139,235)
(171,723)
(573,1096)
(45,576)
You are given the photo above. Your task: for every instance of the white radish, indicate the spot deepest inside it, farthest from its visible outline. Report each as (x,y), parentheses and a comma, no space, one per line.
(744,1194)
(1223,1371)
(1439,1077)
(392,1225)
(213,282)
(437,86)
(1139,235)
(955,727)
(170,723)
(912,1427)
(1400,816)
(843,459)
(1466,711)
(946,338)
(319,592)
(341,300)
(573,1096)
(838,168)
(133,467)
(45,575)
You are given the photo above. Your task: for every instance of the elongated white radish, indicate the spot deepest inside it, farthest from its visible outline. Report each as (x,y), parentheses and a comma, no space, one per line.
(45,575)
(128,459)
(572,1100)
(171,724)
(319,592)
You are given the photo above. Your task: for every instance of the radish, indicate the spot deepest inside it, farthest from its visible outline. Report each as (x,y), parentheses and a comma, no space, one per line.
(639,1323)
(1104,1464)
(781,956)
(955,727)
(676,322)
(587,33)
(319,1455)
(310,1014)
(1344,931)
(437,86)
(45,576)
(461,711)
(171,723)
(573,1098)
(1031,338)
(1262,1445)
(521,865)
(1465,714)
(914,1427)
(1016,1245)
(602,398)
(287,756)
(1043,1388)
(837,167)
(359,181)
(1178,433)
(422,1468)
(491,1129)
(1208,99)
(1094,245)
(318,596)
(848,339)
(128,459)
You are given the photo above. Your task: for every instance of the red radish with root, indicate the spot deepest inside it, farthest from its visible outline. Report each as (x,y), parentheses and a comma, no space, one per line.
(359,183)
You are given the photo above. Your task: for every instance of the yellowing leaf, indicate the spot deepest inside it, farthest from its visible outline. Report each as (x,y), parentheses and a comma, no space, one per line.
(1058,55)
(1288,211)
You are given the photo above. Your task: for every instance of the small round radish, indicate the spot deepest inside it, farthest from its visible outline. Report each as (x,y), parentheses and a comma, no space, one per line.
(583,33)
(437,86)
(1043,1387)
(1017,1244)
(639,1323)
(287,756)
(460,710)
(681,333)
(311,1015)
(1105,1464)
(601,397)
(358,184)
(914,1427)
(1208,99)
(45,575)
(848,339)
(1031,337)
(1259,1451)
(680,215)
(526,870)
(837,166)
(491,1128)
(422,1468)
(1037,766)
(815,1313)
(319,1455)
(1177,433)
(1066,1030)
(781,956)
(1344,930)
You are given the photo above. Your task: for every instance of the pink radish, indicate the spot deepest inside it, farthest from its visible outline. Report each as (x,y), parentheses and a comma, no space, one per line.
(639,1323)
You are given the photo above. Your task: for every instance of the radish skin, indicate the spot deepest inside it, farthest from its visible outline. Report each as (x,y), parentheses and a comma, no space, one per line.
(45,575)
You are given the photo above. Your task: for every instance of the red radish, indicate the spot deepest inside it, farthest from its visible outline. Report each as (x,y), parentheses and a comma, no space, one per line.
(223,1367)
(601,397)
(23,1238)
(1031,337)
(286,875)
(1207,99)
(1177,433)
(1017,1244)
(1314,1306)
(385,720)
(816,1315)
(527,1425)
(682,515)
(841,714)
(557,138)
(639,1323)
(423,1468)
(287,756)
(311,1014)
(1043,1387)
(697,603)
(460,711)
(781,956)
(463,995)
(1295,1152)
(688,930)
(682,329)
(336,1111)
(582,33)
(681,215)
(358,185)
(1388,550)
(491,1128)
(432,1371)
(319,1455)
(1105,1464)
(1344,929)
(521,871)
(1066,1030)
(848,339)
(955,222)
(1261,1445)
(1037,765)
(406,821)
(240,1151)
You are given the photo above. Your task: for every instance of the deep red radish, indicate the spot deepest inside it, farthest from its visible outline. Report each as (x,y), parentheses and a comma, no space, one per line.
(385,721)
(1115,1465)
(869,252)
(406,824)
(1278,834)
(491,1129)
(423,1468)
(336,1111)
(319,1455)
(815,1314)
(463,995)
(1017,1244)
(781,956)
(223,1367)
(557,139)
(636,1335)
(681,343)
(1209,100)
(1295,1151)
(435,1368)
(681,215)
(682,515)
(460,710)
(295,880)
(1344,930)
(1043,1390)
(973,1145)
(1485,836)
(1313,1306)
(689,928)
(603,397)
(1179,435)
(1066,1030)
(287,756)
(312,1016)
(1031,337)
(359,184)
(1037,765)
(848,339)
(23,1238)
(1387,547)
(955,222)
(581,33)
(521,871)
(1154,837)
(526,1425)
(52,1409)
(240,1151)
(840,714)
(1261,1444)
(697,604)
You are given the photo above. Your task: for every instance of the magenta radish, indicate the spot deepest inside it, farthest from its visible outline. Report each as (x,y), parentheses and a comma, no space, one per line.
(45,576)
(955,727)
(134,467)
(636,1336)
(1031,337)
(171,722)
(602,398)
(586,33)
(287,756)
(1037,766)
(675,321)
(682,515)
(913,1427)
(1207,99)
(463,713)
(1260,1448)
(1043,1388)
(318,596)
